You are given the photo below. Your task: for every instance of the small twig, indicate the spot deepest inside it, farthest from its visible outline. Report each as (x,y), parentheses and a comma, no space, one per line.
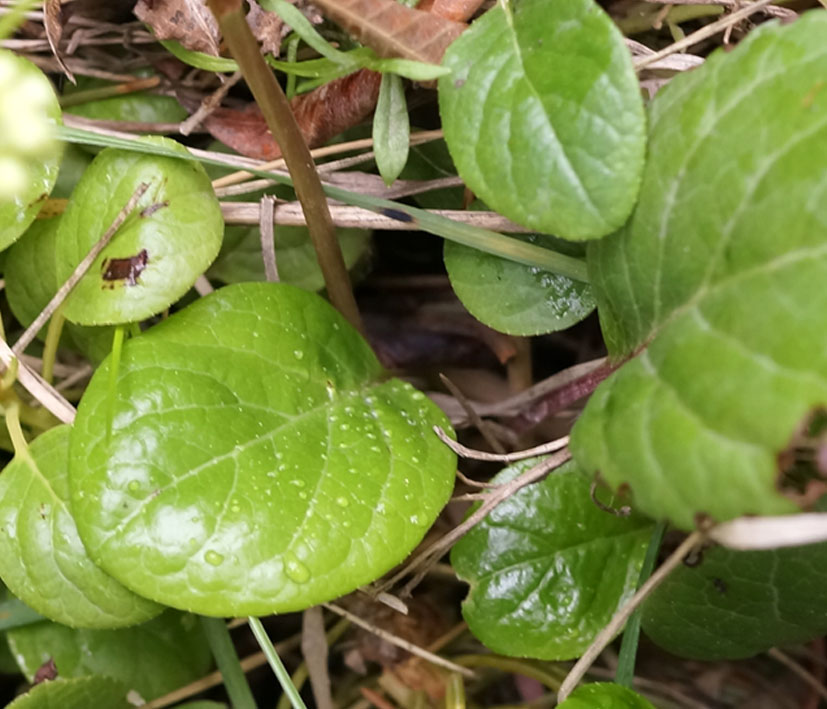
(268,243)
(203,286)
(400,642)
(79,272)
(613,627)
(473,417)
(624,511)
(315,652)
(798,670)
(474,483)
(208,105)
(466,452)
(497,495)
(707,31)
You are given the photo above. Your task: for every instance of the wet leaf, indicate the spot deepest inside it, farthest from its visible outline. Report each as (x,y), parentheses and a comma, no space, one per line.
(513,298)
(393,30)
(42,559)
(737,604)
(543,116)
(259,462)
(169,240)
(714,275)
(140,106)
(604,695)
(29,155)
(240,258)
(80,693)
(547,567)
(391,128)
(153,658)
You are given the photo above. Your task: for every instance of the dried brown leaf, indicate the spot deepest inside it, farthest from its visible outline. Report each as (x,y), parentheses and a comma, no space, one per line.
(457,10)
(393,30)
(266,26)
(189,22)
(53,22)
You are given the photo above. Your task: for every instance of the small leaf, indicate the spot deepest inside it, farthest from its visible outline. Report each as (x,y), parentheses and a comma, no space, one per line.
(80,693)
(391,128)
(715,276)
(513,298)
(29,154)
(240,257)
(136,106)
(604,695)
(190,22)
(259,462)
(42,559)
(169,240)
(737,604)
(153,658)
(547,567)
(543,116)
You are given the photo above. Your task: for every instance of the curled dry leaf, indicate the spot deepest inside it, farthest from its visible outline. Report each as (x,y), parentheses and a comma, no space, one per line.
(393,30)
(457,10)
(266,26)
(53,22)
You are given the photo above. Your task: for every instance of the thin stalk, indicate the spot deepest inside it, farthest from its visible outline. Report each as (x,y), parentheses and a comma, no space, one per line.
(625,673)
(21,446)
(52,340)
(455,692)
(226,658)
(282,124)
(275,662)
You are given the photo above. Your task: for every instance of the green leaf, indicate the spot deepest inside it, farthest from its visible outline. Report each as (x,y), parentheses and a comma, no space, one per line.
(80,693)
(240,257)
(544,118)
(31,281)
(513,298)
(547,567)
(136,106)
(200,60)
(153,658)
(737,604)
(29,155)
(42,559)
(170,239)
(715,275)
(259,461)
(604,695)
(391,128)
(430,161)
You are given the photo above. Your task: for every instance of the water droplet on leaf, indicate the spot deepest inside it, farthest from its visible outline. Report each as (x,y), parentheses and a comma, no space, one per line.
(213,558)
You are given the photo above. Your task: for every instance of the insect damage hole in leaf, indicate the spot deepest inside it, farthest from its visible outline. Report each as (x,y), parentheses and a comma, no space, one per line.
(259,460)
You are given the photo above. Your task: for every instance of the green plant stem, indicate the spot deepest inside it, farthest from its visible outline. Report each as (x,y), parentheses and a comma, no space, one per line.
(625,673)
(114,366)
(53,333)
(14,18)
(455,692)
(299,677)
(226,658)
(282,124)
(275,662)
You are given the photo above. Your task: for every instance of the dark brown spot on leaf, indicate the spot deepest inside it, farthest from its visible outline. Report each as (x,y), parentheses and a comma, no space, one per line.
(47,671)
(802,464)
(720,585)
(125,269)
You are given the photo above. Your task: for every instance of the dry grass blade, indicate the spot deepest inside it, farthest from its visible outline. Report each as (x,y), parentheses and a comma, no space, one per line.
(53,22)
(393,30)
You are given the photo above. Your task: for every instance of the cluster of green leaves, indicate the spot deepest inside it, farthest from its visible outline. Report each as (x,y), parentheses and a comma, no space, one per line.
(249,455)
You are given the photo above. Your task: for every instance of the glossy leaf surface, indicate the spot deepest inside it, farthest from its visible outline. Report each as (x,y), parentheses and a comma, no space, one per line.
(547,567)
(136,106)
(543,116)
(737,604)
(715,275)
(153,658)
(165,244)
(42,559)
(29,157)
(240,257)
(604,695)
(80,693)
(514,298)
(258,462)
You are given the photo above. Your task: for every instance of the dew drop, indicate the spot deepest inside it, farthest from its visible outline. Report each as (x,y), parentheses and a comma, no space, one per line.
(417,520)
(134,486)
(342,501)
(295,570)
(298,482)
(298,354)
(303,495)
(213,558)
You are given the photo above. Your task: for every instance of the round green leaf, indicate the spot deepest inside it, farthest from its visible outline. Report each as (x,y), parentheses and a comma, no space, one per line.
(737,604)
(604,695)
(514,298)
(29,155)
(547,567)
(258,462)
(152,659)
(140,106)
(543,116)
(240,259)
(42,559)
(716,275)
(31,281)
(169,240)
(80,693)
